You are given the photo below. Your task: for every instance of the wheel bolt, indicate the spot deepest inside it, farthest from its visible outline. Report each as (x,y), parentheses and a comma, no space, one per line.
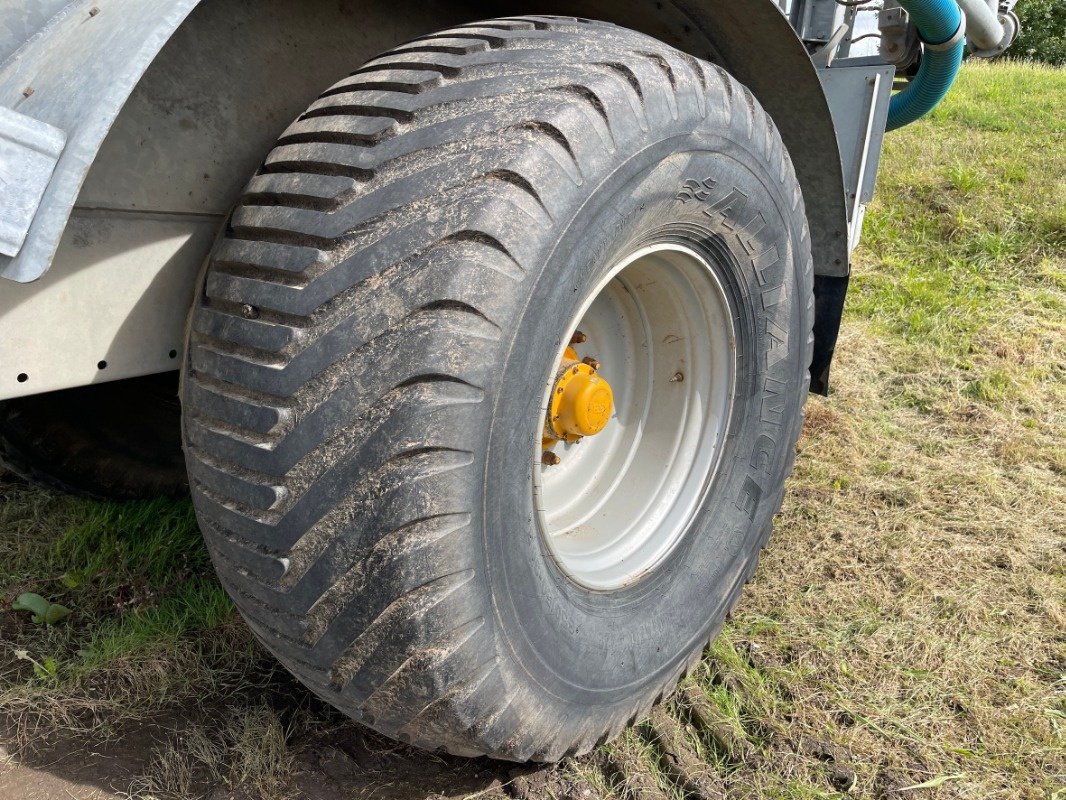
(591,362)
(549,459)
(578,338)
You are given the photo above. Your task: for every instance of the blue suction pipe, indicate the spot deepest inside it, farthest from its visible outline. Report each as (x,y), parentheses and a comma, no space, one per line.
(941,29)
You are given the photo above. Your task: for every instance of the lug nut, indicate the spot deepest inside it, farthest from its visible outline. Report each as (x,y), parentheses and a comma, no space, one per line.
(549,459)
(591,362)
(578,338)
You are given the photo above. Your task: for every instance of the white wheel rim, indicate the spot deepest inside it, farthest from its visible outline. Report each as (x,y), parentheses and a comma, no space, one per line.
(619,502)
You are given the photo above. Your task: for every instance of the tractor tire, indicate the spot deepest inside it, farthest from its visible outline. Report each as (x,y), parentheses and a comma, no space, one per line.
(111,441)
(378,339)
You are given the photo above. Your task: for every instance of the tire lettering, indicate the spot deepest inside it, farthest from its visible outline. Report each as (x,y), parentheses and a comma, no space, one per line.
(773,401)
(729,210)
(748,499)
(777,349)
(763,261)
(698,191)
(772,297)
(763,454)
(747,234)
(726,208)
(733,212)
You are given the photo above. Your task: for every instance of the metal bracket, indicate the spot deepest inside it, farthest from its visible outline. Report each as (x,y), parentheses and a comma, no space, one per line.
(944,47)
(858,99)
(823,59)
(29,151)
(899,39)
(1011,28)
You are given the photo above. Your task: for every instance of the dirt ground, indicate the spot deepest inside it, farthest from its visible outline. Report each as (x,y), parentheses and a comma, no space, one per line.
(349,762)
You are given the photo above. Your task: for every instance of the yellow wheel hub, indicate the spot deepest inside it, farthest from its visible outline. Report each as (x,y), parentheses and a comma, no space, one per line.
(581,401)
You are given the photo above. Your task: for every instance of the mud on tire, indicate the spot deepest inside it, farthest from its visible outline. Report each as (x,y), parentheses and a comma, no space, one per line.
(367,355)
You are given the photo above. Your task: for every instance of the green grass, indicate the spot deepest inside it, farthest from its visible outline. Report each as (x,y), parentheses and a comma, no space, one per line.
(912,601)
(904,634)
(148,617)
(970,215)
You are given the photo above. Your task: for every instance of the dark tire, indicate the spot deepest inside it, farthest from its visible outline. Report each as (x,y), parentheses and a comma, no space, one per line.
(369,351)
(112,441)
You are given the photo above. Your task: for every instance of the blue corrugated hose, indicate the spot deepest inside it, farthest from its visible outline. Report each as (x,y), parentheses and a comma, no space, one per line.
(937,21)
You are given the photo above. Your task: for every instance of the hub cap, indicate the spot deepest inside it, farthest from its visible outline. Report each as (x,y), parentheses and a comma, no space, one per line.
(581,400)
(635,416)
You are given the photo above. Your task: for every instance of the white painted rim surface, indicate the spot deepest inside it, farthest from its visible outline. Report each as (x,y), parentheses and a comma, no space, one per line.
(619,502)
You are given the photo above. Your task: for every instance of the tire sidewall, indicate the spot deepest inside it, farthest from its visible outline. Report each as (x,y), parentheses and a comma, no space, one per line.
(603,648)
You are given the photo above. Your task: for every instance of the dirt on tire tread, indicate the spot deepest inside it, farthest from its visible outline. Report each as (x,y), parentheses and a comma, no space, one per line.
(292,320)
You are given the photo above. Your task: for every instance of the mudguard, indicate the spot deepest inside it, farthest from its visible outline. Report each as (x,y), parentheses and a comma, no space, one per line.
(75,72)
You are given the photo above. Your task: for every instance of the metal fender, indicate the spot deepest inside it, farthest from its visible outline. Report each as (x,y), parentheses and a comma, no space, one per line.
(74,75)
(69,79)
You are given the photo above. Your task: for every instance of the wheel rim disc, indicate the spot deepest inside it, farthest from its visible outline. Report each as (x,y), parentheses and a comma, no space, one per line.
(618,503)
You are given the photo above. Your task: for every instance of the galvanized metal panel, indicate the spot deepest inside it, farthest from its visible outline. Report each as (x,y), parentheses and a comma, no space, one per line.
(188,138)
(112,306)
(75,76)
(29,150)
(858,99)
(20,21)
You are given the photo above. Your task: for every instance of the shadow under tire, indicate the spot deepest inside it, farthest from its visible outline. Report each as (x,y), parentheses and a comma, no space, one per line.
(374,339)
(112,441)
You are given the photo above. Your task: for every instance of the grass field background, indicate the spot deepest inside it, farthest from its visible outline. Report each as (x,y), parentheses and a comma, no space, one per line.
(905,635)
